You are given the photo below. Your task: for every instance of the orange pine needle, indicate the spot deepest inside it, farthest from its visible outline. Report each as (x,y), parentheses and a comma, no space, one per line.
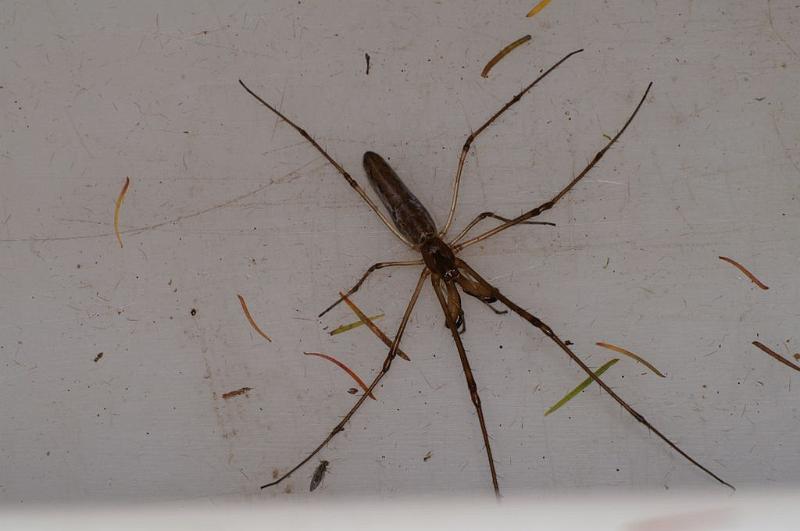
(117,206)
(630,354)
(372,326)
(502,53)
(538,7)
(744,270)
(250,319)
(775,355)
(346,369)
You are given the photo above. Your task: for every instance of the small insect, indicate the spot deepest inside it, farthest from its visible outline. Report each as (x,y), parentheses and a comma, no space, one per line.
(449,274)
(319,475)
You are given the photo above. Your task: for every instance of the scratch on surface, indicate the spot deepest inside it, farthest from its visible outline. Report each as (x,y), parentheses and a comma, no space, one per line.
(78,134)
(777,33)
(172,221)
(783,144)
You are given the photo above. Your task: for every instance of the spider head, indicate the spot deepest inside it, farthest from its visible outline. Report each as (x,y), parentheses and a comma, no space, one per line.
(439,258)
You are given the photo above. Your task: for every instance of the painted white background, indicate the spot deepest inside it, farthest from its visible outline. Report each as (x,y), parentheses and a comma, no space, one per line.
(224,199)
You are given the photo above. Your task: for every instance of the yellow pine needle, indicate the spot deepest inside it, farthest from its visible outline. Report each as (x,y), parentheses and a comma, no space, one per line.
(583,385)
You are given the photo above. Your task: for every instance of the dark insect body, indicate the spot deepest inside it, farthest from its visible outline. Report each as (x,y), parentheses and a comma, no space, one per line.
(412,224)
(319,475)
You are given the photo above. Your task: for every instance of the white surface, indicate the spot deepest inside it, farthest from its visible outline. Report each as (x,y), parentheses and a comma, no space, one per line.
(770,512)
(226,200)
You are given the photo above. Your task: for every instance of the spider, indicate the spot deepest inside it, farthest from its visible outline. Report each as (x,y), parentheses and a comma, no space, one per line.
(413,225)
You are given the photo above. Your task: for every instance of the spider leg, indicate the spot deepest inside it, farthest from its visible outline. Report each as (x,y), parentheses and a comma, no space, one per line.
(551,203)
(372,268)
(546,330)
(352,182)
(465,148)
(484,215)
(387,364)
(471,385)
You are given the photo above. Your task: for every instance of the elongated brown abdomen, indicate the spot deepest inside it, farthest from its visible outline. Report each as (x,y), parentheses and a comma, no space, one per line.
(407,212)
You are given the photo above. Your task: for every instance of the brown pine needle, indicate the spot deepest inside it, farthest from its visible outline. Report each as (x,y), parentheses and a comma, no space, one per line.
(538,7)
(744,270)
(630,354)
(775,355)
(117,206)
(372,326)
(346,369)
(231,394)
(250,319)
(349,326)
(502,53)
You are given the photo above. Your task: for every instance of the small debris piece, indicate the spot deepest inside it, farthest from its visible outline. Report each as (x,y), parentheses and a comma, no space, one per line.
(347,327)
(117,206)
(502,53)
(747,273)
(346,369)
(352,390)
(630,354)
(97,358)
(366,56)
(231,394)
(319,475)
(250,319)
(775,355)
(538,7)
(583,385)
(427,456)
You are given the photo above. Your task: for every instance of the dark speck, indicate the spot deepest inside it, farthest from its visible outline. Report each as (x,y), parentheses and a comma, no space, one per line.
(193,312)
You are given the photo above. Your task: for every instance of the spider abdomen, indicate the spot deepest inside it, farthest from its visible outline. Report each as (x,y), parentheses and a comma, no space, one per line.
(407,212)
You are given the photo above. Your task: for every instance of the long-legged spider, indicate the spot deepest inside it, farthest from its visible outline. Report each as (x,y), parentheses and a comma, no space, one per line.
(413,225)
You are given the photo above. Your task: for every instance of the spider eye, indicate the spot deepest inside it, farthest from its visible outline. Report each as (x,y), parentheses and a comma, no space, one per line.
(451,274)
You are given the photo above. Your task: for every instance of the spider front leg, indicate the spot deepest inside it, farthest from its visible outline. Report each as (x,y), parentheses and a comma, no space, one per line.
(547,205)
(347,177)
(462,158)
